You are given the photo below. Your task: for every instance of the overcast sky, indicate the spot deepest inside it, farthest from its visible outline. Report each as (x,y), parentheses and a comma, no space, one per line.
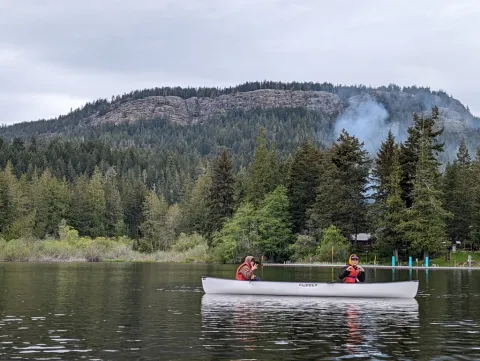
(59,54)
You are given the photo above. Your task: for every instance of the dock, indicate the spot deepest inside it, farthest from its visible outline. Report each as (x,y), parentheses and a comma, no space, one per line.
(340,265)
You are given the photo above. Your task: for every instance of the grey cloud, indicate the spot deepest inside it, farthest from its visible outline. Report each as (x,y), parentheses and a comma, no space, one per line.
(28,106)
(90,49)
(174,38)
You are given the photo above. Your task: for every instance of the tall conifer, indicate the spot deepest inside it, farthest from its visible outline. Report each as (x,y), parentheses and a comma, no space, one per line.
(302,182)
(409,158)
(425,221)
(341,198)
(220,199)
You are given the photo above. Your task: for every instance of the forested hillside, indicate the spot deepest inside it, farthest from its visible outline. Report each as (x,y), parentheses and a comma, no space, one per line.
(277,180)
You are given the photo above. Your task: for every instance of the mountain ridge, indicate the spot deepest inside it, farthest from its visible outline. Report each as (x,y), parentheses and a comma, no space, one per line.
(365,112)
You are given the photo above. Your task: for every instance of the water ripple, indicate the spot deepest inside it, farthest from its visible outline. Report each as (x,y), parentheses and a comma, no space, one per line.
(158,312)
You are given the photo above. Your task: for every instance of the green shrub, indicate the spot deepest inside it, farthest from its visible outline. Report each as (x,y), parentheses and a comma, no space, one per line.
(16,250)
(185,242)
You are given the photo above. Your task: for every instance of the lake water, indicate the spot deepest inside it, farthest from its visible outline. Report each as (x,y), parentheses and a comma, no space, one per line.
(116,311)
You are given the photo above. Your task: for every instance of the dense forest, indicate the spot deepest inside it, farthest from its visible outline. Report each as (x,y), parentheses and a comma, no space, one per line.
(264,185)
(167,155)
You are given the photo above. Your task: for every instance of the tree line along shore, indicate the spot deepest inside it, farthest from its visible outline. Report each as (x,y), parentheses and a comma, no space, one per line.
(66,200)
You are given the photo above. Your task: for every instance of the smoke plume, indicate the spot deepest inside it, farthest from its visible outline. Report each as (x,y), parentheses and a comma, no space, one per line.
(368,121)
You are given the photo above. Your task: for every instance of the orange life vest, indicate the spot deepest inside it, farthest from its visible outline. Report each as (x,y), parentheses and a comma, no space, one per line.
(352,277)
(239,276)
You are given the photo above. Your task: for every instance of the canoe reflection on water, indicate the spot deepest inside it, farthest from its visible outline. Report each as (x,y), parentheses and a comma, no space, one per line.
(299,327)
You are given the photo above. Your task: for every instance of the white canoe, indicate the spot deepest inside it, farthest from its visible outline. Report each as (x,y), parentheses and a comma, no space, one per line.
(406,289)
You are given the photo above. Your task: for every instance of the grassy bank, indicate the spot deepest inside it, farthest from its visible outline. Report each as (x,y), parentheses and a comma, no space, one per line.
(69,247)
(98,250)
(458,259)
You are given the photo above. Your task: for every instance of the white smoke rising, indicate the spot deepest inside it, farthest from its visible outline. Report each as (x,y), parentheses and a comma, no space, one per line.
(474,123)
(367,121)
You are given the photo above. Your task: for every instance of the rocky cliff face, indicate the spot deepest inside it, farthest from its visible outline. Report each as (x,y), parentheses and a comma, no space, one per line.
(366,113)
(398,106)
(197,110)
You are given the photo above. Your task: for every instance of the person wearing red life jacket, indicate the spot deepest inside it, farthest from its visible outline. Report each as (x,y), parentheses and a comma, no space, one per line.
(352,272)
(246,269)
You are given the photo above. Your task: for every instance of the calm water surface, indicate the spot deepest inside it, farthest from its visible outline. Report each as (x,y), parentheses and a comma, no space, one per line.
(159,312)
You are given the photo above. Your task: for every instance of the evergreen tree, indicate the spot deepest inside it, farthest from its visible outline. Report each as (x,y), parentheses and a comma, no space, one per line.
(383,167)
(6,205)
(388,234)
(114,213)
(58,204)
(194,205)
(154,230)
(133,192)
(351,160)
(173,222)
(275,177)
(303,179)
(474,195)
(329,207)
(221,193)
(17,217)
(264,171)
(40,196)
(79,213)
(240,186)
(422,126)
(341,199)
(51,199)
(463,156)
(97,204)
(88,205)
(24,222)
(458,186)
(450,194)
(425,220)
(275,226)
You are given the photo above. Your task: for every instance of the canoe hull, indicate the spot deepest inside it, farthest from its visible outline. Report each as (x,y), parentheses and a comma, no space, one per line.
(407,289)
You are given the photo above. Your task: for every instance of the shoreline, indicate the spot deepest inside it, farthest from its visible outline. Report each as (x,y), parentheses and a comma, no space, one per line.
(289,265)
(103,261)
(340,265)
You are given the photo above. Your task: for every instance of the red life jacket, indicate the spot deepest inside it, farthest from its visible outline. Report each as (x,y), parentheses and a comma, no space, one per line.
(239,276)
(352,277)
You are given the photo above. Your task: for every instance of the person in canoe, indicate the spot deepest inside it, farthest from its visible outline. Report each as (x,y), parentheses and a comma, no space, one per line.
(352,272)
(246,269)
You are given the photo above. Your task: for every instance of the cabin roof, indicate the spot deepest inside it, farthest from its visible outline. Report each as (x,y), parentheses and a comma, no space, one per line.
(361,237)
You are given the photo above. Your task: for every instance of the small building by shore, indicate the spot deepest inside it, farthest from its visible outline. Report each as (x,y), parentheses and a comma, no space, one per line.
(361,241)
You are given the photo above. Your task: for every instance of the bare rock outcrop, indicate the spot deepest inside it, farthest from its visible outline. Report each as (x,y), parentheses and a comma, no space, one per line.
(196,110)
